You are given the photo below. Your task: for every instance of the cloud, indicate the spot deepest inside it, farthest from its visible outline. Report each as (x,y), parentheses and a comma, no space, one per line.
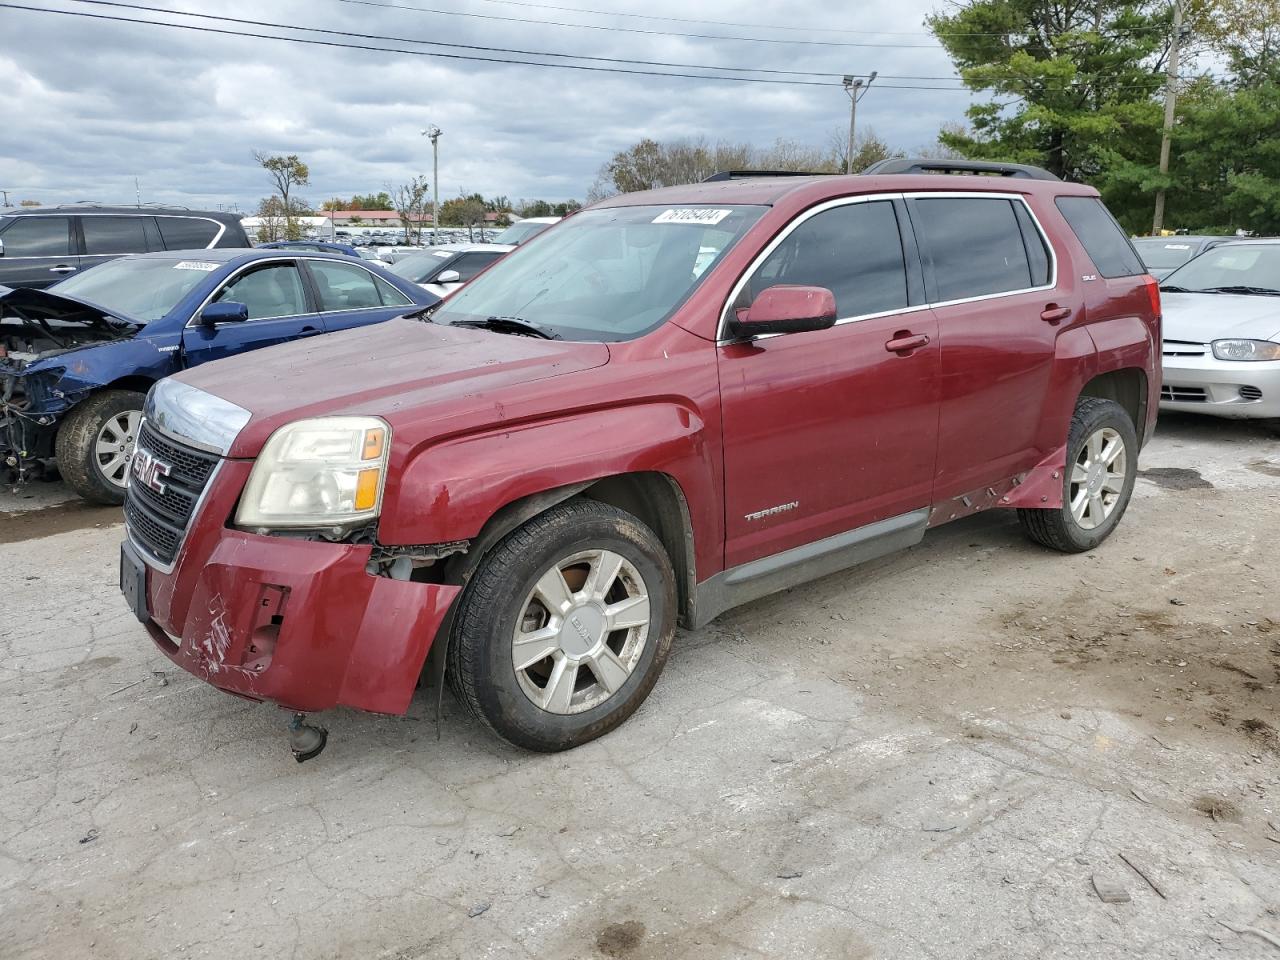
(90,105)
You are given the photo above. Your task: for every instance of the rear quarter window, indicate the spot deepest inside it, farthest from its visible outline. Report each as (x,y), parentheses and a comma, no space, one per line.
(186,233)
(1102,238)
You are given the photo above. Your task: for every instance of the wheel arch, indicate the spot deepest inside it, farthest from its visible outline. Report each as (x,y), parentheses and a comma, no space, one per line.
(654,498)
(1126,386)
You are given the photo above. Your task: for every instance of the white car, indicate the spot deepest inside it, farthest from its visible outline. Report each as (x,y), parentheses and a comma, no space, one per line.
(441,270)
(1222,332)
(525,229)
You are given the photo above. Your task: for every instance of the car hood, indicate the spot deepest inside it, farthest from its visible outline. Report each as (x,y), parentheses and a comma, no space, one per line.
(391,370)
(56,308)
(1204,317)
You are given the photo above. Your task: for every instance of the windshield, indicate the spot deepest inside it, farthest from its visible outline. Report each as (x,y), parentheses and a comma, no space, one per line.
(1248,267)
(1158,254)
(142,289)
(417,267)
(520,232)
(609,274)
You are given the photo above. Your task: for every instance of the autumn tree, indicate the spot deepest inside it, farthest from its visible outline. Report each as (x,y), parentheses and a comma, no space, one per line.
(410,201)
(286,173)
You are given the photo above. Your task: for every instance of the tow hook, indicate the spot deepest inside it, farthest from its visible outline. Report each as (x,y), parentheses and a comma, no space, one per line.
(305,740)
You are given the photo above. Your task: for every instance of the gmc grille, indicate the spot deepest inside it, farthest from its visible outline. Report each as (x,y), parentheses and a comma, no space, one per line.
(158,521)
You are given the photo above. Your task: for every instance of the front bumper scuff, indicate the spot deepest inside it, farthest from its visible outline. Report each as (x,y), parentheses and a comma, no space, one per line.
(302,624)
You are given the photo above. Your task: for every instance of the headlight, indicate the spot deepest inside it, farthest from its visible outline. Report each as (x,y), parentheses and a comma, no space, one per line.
(1246,350)
(326,472)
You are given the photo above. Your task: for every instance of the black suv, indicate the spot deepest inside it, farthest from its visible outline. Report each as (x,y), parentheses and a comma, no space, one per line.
(41,245)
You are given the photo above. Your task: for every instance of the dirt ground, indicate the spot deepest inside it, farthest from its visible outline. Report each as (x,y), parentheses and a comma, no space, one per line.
(936,756)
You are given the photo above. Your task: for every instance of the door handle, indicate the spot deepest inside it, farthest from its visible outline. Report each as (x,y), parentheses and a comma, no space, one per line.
(308,332)
(1054,313)
(904,342)
(62,268)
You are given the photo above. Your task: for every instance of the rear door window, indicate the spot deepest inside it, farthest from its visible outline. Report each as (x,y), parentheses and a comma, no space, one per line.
(186,233)
(1101,237)
(855,251)
(38,237)
(345,286)
(971,246)
(105,236)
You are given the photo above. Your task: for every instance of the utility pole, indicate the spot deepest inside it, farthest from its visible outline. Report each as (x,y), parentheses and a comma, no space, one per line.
(857,89)
(433,134)
(1170,94)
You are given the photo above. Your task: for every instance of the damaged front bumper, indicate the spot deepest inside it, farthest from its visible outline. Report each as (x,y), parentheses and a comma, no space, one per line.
(299,623)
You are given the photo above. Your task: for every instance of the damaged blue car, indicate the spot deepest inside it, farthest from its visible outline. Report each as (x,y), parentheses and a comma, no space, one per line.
(77,358)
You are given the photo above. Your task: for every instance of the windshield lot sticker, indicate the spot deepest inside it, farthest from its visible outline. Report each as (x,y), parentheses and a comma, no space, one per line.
(703,218)
(195,265)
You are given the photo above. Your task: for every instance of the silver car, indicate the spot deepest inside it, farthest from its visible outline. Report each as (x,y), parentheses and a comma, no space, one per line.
(1222,332)
(1163,255)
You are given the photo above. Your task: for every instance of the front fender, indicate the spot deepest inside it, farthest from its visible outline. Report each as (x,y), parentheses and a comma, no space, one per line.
(448,490)
(72,376)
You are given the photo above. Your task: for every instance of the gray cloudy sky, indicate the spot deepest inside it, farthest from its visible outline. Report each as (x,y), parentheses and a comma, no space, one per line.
(96,103)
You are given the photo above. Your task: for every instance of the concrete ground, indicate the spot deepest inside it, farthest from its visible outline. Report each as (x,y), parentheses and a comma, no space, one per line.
(933,756)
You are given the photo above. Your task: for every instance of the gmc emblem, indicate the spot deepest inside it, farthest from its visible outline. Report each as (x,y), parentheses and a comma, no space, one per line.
(149,471)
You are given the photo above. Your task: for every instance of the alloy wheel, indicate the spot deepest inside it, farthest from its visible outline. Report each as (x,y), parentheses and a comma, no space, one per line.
(581,631)
(1097,478)
(113,448)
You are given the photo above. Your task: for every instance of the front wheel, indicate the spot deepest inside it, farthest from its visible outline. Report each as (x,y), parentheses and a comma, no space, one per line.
(1102,465)
(95,444)
(565,626)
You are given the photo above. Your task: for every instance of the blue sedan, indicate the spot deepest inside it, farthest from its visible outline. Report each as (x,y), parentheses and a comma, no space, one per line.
(77,358)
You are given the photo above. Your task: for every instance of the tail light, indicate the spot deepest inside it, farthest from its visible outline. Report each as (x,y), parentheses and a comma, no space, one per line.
(1153,293)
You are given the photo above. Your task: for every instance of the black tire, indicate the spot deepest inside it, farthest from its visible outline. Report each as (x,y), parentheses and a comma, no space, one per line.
(480,662)
(1058,529)
(78,436)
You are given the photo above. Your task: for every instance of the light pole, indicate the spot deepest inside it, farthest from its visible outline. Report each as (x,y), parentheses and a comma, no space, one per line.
(1170,94)
(432,132)
(857,89)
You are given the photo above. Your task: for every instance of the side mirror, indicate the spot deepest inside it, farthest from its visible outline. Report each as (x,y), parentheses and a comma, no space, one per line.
(449,276)
(786,309)
(228,311)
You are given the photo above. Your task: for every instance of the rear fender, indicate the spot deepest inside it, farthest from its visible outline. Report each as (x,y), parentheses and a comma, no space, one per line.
(448,491)
(1130,342)
(1075,363)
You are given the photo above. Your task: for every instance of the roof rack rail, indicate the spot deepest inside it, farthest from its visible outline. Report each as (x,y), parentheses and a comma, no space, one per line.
(1020,171)
(748,174)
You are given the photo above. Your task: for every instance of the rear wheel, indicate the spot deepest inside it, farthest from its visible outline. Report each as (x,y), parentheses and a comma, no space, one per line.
(565,627)
(95,444)
(1102,465)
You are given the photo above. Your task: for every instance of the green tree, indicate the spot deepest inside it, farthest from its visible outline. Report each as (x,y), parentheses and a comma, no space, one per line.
(372,201)
(286,173)
(1072,82)
(465,211)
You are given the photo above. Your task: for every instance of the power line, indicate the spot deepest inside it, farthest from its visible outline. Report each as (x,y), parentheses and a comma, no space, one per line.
(451,56)
(652,33)
(541,53)
(457,46)
(195,28)
(771,26)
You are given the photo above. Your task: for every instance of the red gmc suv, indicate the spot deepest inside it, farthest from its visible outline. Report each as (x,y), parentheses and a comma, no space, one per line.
(671,403)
